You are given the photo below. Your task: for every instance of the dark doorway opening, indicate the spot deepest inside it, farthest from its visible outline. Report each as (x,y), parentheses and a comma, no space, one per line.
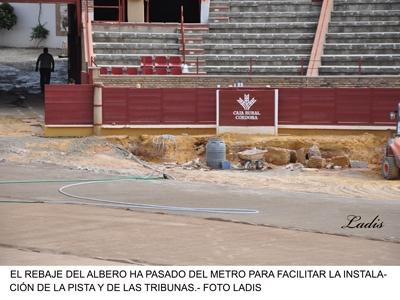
(170,11)
(74,46)
(106,10)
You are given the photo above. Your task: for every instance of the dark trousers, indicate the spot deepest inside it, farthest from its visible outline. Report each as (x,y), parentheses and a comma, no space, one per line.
(44,78)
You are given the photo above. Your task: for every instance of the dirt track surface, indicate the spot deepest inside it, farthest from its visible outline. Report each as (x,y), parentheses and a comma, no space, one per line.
(62,234)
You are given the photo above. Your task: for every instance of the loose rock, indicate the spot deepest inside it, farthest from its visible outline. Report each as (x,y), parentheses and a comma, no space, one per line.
(313,151)
(316,162)
(358,164)
(301,156)
(293,156)
(277,156)
(341,161)
(296,166)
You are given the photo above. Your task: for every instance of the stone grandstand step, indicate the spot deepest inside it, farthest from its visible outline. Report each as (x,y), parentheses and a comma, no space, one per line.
(129,48)
(256,70)
(365,5)
(386,26)
(117,59)
(259,49)
(370,15)
(259,60)
(363,37)
(356,70)
(259,38)
(193,51)
(362,59)
(192,60)
(134,37)
(267,17)
(262,5)
(299,27)
(370,48)
(218,7)
(135,27)
(218,19)
(125,59)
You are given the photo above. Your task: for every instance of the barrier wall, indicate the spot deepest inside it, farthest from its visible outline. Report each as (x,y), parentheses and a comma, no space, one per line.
(69,104)
(73,105)
(337,106)
(123,106)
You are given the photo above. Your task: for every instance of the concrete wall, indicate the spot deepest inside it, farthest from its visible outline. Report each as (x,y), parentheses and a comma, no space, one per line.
(135,10)
(27,14)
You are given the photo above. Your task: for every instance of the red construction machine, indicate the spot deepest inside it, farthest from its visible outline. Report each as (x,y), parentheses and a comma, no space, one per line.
(391,159)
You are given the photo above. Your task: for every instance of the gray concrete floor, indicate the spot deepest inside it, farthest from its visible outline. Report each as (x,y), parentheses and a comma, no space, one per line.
(298,228)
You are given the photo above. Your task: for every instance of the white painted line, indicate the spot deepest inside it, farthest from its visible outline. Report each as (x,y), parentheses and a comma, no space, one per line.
(68,126)
(276,110)
(217,111)
(270,130)
(338,127)
(188,126)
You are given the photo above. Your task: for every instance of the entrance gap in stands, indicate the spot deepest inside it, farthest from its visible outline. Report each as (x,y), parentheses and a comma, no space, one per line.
(170,11)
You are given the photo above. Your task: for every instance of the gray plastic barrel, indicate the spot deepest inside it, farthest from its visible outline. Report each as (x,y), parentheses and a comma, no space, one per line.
(215,153)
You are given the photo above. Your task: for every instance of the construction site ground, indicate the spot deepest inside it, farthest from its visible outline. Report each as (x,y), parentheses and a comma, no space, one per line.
(300,211)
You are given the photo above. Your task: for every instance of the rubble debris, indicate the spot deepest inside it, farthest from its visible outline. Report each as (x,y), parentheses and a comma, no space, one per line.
(341,161)
(200,150)
(252,154)
(195,164)
(329,165)
(329,153)
(293,156)
(294,166)
(170,165)
(358,164)
(277,156)
(316,162)
(313,151)
(301,156)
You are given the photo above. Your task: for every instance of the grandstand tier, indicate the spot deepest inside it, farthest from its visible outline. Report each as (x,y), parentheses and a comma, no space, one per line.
(262,37)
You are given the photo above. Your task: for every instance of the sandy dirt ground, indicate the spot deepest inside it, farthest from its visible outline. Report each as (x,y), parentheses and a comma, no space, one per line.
(21,142)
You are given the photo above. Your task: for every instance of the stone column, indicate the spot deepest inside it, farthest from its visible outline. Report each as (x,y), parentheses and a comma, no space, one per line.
(97,108)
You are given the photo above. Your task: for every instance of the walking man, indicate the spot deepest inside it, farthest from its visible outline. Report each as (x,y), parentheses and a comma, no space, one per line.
(45,63)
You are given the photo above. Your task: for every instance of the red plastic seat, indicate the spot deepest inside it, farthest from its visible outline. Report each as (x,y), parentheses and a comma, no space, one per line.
(175,61)
(131,71)
(176,70)
(103,70)
(162,70)
(161,61)
(146,60)
(147,71)
(117,71)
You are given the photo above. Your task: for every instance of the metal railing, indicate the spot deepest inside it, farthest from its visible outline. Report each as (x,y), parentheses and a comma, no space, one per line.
(183,35)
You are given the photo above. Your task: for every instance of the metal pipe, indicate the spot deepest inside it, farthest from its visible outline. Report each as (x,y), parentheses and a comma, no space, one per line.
(183,35)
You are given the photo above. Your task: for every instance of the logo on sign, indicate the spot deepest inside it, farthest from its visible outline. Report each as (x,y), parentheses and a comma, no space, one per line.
(246,102)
